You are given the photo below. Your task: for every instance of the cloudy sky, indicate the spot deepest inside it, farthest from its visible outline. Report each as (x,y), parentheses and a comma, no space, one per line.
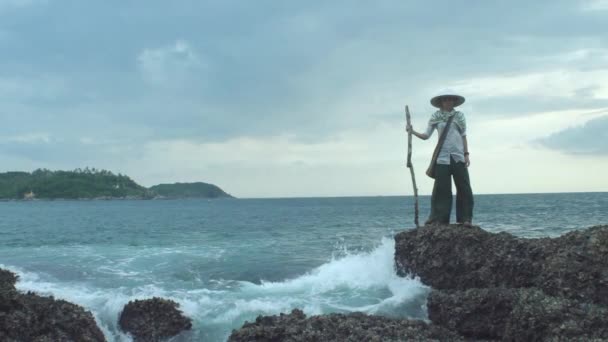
(284,98)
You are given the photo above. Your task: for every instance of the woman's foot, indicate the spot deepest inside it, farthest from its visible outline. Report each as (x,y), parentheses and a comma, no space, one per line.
(467,224)
(435,222)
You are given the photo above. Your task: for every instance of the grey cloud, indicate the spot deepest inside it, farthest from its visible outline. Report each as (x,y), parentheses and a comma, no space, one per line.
(272,67)
(590,138)
(49,151)
(513,106)
(69,153)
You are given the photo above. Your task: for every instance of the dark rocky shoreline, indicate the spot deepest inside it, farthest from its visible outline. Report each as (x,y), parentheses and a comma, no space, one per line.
(30,317)
(574,265)
(485,287)
(339,327)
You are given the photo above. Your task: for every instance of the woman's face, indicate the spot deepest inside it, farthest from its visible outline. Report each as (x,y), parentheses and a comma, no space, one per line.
(447,103)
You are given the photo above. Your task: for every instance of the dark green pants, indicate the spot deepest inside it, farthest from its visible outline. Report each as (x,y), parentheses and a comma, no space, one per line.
(441,202)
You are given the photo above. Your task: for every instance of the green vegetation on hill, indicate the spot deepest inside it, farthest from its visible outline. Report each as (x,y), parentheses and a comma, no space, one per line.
(87,183)
(189,190)
(92,183)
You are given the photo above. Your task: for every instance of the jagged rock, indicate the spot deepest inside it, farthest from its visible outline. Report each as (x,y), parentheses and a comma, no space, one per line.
(517,315)
(338,327)
(574,265)
(7,280)
(577,265)
(30,317)
(153,319)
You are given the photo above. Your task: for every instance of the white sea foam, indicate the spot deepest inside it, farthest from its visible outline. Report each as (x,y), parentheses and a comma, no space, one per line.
(359,270)
(364,281)
(350,275)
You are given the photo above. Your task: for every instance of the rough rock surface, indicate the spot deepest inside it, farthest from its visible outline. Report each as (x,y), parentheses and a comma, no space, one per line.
(517,315)
(574,265)
(338,327)
(153,319)
(7,280)
(29,317)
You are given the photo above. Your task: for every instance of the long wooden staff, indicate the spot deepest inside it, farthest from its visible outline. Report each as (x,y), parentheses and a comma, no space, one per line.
(410,166)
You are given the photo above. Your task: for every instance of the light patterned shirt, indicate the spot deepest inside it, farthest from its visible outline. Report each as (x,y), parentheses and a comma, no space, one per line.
(453,144)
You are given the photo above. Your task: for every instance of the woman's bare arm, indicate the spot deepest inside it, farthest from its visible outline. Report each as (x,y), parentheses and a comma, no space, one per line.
(422,136)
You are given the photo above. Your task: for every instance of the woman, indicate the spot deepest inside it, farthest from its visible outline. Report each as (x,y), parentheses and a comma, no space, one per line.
(452,161)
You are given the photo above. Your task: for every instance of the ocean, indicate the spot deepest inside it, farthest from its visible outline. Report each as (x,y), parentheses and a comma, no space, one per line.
(227,261)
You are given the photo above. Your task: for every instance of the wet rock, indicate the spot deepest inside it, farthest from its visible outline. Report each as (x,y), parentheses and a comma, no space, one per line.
(153,319)
(338,327)
(7,280)
(574,265)
(517,315)
(30,317)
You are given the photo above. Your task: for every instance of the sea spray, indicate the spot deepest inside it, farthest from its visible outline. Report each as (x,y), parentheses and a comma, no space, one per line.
(355,281)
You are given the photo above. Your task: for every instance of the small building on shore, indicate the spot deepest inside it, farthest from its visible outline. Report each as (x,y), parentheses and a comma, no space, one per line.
(29,195)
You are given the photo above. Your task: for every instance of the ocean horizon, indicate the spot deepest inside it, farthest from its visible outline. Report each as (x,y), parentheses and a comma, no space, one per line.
(290,197)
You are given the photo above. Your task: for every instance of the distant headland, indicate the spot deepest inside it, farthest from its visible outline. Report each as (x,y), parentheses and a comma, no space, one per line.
(189,190)
(94,184)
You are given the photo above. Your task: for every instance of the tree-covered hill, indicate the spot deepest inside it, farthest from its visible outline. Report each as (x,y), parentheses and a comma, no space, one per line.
(91,183)
(87,183)
(189,190)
